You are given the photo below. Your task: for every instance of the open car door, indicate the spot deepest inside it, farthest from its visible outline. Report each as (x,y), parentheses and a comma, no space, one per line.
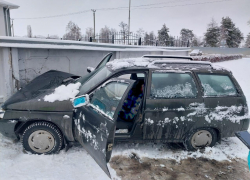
(244,136)
(95,118)
(103,62)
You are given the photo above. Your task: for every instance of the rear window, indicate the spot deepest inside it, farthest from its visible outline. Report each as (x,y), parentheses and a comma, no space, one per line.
(173,85)
(217,85)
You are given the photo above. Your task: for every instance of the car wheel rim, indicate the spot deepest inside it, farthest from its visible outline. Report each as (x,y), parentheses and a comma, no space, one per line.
(201,139)
(41,141)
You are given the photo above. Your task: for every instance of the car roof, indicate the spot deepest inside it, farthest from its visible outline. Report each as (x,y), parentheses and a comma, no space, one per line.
(161,62)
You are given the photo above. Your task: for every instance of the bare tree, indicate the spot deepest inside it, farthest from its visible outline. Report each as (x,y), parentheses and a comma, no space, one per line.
(124,30)
(89,32)
(113,31)
(73,32)
(140,32)
(29,31)
(248,22)
(105,34)
(124,27)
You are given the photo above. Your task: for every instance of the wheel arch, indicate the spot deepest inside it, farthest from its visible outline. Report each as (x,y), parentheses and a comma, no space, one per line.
(21,126)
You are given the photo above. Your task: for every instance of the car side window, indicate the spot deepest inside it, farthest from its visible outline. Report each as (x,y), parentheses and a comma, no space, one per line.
(217,85)
(107,98)
(132,76)
(173,85)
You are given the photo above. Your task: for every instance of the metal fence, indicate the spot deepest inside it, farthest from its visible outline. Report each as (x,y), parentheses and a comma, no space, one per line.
(135,39)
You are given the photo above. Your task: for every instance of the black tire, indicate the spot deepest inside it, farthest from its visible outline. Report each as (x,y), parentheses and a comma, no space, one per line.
(211,133)
(50,141)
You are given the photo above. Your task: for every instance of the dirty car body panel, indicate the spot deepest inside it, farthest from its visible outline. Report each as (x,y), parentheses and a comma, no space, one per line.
(95,124)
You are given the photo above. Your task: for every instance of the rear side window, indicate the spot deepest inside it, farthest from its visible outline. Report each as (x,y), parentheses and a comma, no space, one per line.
(173,85)
(217,85)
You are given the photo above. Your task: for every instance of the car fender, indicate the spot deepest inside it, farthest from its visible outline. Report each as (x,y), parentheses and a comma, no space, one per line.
(63,120)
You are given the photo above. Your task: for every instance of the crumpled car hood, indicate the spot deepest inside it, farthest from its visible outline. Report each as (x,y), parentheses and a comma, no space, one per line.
(31,96)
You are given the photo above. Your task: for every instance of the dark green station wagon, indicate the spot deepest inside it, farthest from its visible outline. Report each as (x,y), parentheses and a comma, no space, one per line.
(148,99)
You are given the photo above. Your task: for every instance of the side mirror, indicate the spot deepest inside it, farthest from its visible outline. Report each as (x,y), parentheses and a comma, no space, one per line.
(90,69)
(80,101)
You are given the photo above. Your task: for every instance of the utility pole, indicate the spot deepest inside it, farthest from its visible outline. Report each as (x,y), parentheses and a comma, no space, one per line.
(129,20)
(93,10)
(12,25)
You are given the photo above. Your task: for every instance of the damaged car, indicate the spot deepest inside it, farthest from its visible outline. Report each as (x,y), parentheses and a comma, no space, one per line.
(149,99)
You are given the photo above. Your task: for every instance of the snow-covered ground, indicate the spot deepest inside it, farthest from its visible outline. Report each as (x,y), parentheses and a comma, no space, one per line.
(77,164)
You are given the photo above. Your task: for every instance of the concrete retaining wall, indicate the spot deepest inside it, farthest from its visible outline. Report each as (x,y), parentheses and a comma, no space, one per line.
(23,59)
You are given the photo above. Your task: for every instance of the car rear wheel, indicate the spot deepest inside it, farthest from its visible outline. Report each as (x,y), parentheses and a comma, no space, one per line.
(42,138)
(200,138)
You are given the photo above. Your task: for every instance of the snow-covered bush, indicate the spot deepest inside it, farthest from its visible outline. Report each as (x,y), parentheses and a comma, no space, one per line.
(217,57)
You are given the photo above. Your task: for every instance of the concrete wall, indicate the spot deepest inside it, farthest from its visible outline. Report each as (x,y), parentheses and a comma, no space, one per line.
(2,23)
(34,62)
(9,72)
(21,60)
(211,50)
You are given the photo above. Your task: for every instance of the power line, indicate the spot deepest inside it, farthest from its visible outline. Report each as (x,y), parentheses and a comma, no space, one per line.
(45,17)
(192,4)
(125,8)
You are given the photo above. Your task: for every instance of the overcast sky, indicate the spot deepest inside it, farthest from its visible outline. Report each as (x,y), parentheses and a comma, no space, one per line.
(176,14)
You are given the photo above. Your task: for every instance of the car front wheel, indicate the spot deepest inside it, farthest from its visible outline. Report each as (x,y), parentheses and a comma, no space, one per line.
(42,138)
(200,138)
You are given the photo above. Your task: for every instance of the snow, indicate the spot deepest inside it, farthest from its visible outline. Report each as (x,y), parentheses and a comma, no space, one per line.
(77,164)
(149,62)
(1,116)
(226,113)
(121,131)
(240,70)
(63,92)
(24,42)
(179,90)
(149,121)
(230,148)
(66,117)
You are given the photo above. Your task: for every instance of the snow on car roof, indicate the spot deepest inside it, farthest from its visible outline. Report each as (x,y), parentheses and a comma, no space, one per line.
(159,63)
(168,57)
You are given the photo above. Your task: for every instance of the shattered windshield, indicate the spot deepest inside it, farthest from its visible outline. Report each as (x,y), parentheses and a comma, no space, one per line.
(91,80)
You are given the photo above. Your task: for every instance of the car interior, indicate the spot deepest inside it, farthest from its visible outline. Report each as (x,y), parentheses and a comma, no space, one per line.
(132,104)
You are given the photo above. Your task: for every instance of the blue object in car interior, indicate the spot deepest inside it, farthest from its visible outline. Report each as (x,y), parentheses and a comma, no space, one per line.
(79,101)
(249,160)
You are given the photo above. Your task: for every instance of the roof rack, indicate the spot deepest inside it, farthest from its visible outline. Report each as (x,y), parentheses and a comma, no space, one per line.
(168,57)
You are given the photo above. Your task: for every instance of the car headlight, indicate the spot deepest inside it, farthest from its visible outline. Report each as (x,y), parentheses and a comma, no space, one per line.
(1,113)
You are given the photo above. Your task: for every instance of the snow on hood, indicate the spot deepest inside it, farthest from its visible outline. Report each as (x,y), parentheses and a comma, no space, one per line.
(64,92)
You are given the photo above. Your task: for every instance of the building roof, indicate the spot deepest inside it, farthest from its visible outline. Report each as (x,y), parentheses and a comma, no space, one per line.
(8,5)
